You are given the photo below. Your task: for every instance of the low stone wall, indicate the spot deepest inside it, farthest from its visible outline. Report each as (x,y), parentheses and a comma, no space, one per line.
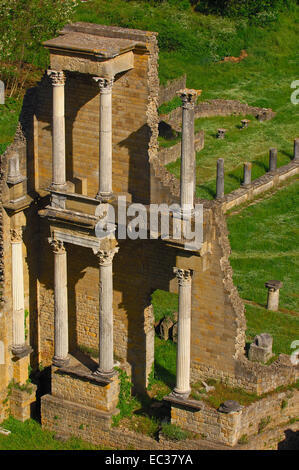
(256,423)
(259,186)
(79,390)
(171,154)
(229,428)
(212,108)
(68,419)
(21,402)
(168,92)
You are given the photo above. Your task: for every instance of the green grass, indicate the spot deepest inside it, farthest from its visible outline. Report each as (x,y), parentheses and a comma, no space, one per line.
(9,115)
(251,144)
(221,393)
(164,304)
(264,242)
(30,436)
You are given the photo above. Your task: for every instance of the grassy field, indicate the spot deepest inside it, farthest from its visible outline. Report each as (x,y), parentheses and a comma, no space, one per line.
(264,241)
(30,436)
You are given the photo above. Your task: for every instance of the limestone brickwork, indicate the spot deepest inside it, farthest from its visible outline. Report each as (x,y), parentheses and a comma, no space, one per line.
(267,413)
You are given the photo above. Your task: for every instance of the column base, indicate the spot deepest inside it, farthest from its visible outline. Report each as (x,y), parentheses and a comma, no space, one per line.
(104,373)
(180,394)
(105,197)
(58,187)
(22,350)
(60,362)
(245,185)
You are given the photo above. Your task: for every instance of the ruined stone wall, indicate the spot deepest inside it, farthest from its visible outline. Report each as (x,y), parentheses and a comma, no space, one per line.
(98,396)
(269,412)
(168,91)
(171,154)
(218,108)
(258,423)
(17,370)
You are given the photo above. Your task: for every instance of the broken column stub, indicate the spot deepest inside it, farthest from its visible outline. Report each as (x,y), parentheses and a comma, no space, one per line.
(14,174)
(230,406)
(261,348)
(273,294)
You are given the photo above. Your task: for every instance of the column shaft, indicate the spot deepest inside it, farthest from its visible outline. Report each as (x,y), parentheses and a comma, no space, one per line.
(184,333)
(188,176)
(58,131)
(105,165)
(187,157)
(18,292)
(61,341)
(106,361)
(220,179)
(106,347)
(296,149)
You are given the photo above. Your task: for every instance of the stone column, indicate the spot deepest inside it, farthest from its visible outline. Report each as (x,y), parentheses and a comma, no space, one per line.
(61,333)
(188,166)
(182,387)
(58,130)
(105,167)
(246,175)
(220,179)
(106,360)
(19,347)
(296,150)
(273,294)
(272,159)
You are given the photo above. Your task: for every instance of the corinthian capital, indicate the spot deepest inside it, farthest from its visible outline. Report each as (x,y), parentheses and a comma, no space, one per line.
(57,245)
(57,77)
(188,97)
(16,235)
(105,257)
(184,275)
(105,84)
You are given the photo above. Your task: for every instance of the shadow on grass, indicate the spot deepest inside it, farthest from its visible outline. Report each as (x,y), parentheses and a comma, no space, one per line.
(287,154)
(164,375)
(210,191)
(235,177)
(261,164)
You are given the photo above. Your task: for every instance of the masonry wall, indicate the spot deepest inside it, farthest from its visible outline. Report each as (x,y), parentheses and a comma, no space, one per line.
(252,420)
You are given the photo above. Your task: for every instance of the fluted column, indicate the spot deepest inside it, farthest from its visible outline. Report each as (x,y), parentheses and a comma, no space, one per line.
(61,333)
(182,388)
(58,130)
(106,360)
(19,347)
(105,166)
(187,180)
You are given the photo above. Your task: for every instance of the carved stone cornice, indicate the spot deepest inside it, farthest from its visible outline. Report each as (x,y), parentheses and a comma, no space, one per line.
(105,257)
(16,235)
(105,84)
(188,97)
(57,245)
(57,77)
(184,276)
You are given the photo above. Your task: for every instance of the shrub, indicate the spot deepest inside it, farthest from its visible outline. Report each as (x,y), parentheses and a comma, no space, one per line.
(126,403)
(245,8)
(174,432)
(243,439)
